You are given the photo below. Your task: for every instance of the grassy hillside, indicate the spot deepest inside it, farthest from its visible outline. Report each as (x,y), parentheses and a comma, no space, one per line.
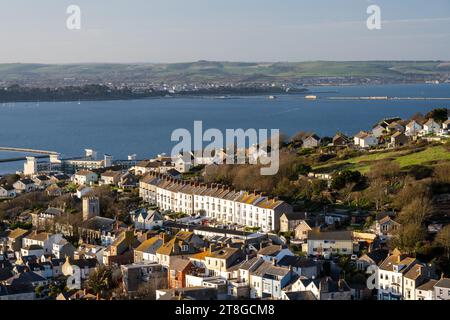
(211,70)
(404,158)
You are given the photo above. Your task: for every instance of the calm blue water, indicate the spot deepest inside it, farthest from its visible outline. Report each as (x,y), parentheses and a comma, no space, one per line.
(144,126)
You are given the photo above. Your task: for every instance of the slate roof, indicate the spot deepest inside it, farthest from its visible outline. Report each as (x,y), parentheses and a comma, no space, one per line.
(389,262)
(224,253)
(329,285)
(296,261)
(17,233)
(329,235)
(443,283)
(25,278)
(41,236)
(84,263)
(84,173)
(270,250)
(295,216)
(301,295)
(179,264)
(415,272)
(427,286)
(149,243)
(378,255)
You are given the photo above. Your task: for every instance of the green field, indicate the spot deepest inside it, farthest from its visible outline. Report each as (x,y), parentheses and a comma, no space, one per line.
(215,70)
(404,158)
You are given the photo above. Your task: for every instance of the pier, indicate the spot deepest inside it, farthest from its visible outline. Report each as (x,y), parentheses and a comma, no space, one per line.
(389,98)
(36,151)
(21,159)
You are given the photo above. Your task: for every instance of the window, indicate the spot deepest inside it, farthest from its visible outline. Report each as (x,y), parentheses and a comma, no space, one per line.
(184,248)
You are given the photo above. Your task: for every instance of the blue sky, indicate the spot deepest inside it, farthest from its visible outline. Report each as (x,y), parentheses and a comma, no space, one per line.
(232,30)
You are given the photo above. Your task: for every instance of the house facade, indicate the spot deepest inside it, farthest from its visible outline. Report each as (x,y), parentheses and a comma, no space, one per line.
(85,177)
(331,242)
(216,202)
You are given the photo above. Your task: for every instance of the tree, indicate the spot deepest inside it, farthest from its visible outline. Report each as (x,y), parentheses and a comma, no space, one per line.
(442,172)
(409,237)
(411,190)
(377,193)
(386,169)
(438,114)
(416,211)
(101,281)
(341,179)
(443,239)
(39,290)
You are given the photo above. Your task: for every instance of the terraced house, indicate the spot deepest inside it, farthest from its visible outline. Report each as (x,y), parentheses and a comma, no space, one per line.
(215,201)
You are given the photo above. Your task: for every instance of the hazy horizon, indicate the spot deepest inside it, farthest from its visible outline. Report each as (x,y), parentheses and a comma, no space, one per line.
(236,31)
(220,61)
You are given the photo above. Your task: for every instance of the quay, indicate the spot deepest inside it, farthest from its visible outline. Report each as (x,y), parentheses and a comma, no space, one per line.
(36,151)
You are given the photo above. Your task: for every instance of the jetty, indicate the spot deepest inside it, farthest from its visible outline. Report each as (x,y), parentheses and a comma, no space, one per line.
(35,151)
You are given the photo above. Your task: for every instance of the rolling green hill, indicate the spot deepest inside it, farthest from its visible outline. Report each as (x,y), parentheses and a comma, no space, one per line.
(221,71)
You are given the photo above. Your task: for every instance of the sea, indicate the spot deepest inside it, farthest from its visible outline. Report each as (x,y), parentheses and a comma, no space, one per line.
(144,127)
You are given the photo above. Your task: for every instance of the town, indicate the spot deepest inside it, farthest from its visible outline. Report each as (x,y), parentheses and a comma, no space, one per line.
(346,218)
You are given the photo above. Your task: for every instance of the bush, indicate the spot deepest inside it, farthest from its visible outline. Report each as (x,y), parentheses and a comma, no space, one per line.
(341,179)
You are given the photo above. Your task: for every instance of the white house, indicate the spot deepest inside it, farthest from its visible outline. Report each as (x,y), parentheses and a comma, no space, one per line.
(442,289)
(330,242)
(379,130)
(110,177)
(78,270)
(183,163)
(32,250)
(368,141)
(311,141)
(146,220)
(324,288)
(146,251)
(274,252)
(42,181)
(7,192)
(365,140)
(390,281)
(413,128)
(85,177)
(431,127)
(268,280)
(43,239)
(24,185)
(445,127)
(83,191)
(426,290)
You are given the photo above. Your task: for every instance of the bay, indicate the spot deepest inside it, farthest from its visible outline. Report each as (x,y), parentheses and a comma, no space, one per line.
(144,127)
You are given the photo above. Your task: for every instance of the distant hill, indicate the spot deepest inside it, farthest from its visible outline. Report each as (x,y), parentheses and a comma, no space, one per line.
(202,71)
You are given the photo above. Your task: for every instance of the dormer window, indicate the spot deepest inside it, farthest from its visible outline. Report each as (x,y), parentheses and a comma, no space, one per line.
(184,248)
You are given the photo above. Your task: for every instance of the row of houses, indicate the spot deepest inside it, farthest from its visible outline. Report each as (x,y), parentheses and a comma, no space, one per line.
(30,184)
(120,179)
(400,132)
(215,201)
(400,277)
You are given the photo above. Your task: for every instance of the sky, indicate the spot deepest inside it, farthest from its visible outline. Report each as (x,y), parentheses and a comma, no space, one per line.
(228,30)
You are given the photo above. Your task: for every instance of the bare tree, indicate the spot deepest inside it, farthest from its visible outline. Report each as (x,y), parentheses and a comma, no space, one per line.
(443,239)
